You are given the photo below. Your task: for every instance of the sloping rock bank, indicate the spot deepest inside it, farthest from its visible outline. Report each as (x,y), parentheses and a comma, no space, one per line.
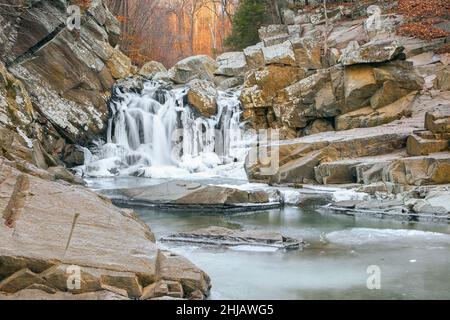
(59,241)
(184,195)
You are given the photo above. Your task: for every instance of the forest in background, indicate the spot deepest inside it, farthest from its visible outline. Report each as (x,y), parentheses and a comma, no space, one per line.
(169,30)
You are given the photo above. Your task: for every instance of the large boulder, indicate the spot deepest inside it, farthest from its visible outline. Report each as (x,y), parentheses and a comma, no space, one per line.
(254,56)
(422,143)
(202,95)
(231,64)
(196,67)
(372,52)
(43,239)
(360,85)
(213,195)
(261,85)
(396,80)
(307,52)
(280,54)
(421,170)
(310,98)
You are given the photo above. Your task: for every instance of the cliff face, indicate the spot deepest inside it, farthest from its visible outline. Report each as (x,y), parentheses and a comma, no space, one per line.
(57,82)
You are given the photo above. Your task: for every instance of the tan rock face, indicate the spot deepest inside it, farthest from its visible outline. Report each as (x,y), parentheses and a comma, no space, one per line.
(254,56)
(310,98)
(20,280)
(260,89)
(425,142)
(177,268)
(15,104)
(397,78)
(369,117)
(118,63)
(360,85)
(307,52)
(298,158)
(433,169)
(438,120)
(202,95)
(47,227)
(261,86)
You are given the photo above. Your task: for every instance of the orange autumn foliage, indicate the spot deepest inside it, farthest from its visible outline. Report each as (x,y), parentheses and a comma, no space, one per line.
(422,16)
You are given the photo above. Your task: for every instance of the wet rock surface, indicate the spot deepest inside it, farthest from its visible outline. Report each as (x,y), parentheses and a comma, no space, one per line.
(227,237)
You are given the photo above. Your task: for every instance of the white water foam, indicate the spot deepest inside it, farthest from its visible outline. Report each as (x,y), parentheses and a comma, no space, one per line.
(156,134)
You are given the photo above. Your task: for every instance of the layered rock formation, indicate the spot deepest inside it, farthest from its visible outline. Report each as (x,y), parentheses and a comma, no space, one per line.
(58,81)
(366,105)
(49,229)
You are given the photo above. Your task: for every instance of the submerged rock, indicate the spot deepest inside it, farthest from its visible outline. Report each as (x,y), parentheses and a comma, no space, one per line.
(227,237)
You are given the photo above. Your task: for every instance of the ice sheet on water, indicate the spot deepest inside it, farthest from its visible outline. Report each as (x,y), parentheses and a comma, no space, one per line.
(360,236)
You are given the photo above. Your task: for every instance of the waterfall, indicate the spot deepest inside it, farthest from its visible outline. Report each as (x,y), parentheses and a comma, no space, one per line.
(157,134)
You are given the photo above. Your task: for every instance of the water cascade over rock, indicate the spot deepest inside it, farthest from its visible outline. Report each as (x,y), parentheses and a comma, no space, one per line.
(156,133)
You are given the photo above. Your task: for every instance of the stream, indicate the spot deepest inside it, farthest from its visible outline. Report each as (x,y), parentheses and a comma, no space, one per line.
(413,258)
(408,260)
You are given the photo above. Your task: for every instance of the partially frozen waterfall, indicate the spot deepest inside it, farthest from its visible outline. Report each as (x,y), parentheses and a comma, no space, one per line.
(157,134)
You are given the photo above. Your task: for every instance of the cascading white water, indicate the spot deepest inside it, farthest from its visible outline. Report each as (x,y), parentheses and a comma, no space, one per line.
(156,134)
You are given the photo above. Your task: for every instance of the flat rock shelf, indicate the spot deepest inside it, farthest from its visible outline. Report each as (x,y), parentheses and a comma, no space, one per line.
(193,196)
(227,237)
